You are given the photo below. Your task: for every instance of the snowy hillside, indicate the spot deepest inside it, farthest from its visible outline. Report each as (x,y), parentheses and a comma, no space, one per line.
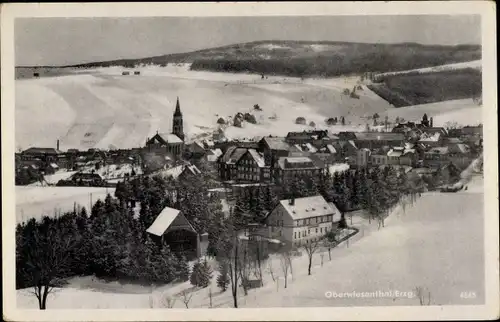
(107,109)
(463,112)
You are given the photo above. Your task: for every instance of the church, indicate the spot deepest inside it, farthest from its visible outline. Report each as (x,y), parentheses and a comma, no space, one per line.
(169,143)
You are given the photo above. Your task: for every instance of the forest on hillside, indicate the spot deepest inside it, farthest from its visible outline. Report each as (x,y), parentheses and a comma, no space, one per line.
(425,88)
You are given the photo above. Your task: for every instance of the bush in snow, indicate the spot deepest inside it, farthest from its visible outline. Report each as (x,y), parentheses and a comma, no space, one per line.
(300,120)
(221,121)
(250,118)
(312,124)
(331,121)
(257,107)
(237,122)
(201,275)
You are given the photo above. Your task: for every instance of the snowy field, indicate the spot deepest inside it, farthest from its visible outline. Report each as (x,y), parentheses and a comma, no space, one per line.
(105,109)
(436,245)
(463,112)
(36,202)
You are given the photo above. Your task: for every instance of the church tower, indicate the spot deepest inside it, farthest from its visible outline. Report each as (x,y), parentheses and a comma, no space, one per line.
(178,128)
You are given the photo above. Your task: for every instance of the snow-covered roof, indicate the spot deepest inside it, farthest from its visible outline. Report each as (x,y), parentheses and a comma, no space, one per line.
(375,136)
(170,138)
(295,162)
(257,158)
(310,148)
(434,137)
(173,172)
(298,147)
(163,221)
(393,153)
(309,207)
(331,148)
(192,169)
(276,143)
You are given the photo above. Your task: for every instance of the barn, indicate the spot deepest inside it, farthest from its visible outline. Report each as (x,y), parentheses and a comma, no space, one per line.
(173,229)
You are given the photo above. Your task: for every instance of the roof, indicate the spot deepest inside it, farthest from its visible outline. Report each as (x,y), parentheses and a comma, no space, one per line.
(439,150)
(309,207)
(41,151)
(257,158)
(296,163)
(441,130)
(393,153)
(192,169)
(331,148)
(430,137)
(236,155)
(166,138)
(311,148)
(276,143)
(375,136)
(163,221)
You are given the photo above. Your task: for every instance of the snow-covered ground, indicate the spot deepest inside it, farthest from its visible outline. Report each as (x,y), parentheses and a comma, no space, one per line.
(105,109)
(54,178)
(476,64)
(36,202)
(436,245)
(463,112)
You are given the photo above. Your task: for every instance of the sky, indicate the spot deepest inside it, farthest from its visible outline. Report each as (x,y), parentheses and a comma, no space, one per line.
(64,41)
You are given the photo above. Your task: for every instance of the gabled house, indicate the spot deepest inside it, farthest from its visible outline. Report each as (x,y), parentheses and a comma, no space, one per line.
(296,222)
(189,170)
(432,139)
(165,143)
(173,229)
(45,155)
(252,167)
(196,150)
(304,137)
(288,168)
(437,157)
(273,148)
(227,163)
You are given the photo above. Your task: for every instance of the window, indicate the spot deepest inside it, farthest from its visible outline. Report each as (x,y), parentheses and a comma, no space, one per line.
(309,231)
(295,235)
(321,230)
(316,230)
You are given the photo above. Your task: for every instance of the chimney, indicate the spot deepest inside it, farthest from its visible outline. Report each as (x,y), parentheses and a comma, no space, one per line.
(57,148)
(291,202)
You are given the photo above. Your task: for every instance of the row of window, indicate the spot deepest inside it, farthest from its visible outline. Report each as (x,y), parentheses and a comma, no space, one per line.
(315,220)
(302,234)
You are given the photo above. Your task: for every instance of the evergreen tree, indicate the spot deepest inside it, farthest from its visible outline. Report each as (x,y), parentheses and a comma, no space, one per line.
(182,269)
(223,278)
(201,275)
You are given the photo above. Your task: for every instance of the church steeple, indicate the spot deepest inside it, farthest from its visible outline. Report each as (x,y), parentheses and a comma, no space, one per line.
(177,108)
(178,128)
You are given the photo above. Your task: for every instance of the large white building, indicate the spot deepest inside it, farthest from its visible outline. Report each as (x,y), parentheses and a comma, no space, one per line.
(302,220)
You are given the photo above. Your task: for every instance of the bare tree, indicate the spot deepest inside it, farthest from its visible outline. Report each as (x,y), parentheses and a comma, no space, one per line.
(186,297)
(168,301)
(48,262)
(311,247)
(285,265)
(423,295)
(270,270)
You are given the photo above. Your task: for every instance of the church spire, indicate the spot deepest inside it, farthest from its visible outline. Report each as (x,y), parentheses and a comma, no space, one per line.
(177,108)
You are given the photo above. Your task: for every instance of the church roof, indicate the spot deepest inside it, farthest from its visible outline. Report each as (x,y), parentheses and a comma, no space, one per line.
(166,138)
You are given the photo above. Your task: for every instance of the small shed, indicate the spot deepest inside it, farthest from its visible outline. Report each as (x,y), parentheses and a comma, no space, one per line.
(172,228)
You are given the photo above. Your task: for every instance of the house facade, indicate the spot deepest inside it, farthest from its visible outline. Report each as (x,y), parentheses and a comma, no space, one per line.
(273,148)
(288,168)
(299,221)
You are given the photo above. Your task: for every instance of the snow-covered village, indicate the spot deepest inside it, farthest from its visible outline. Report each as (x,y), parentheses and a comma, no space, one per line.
(248,173)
